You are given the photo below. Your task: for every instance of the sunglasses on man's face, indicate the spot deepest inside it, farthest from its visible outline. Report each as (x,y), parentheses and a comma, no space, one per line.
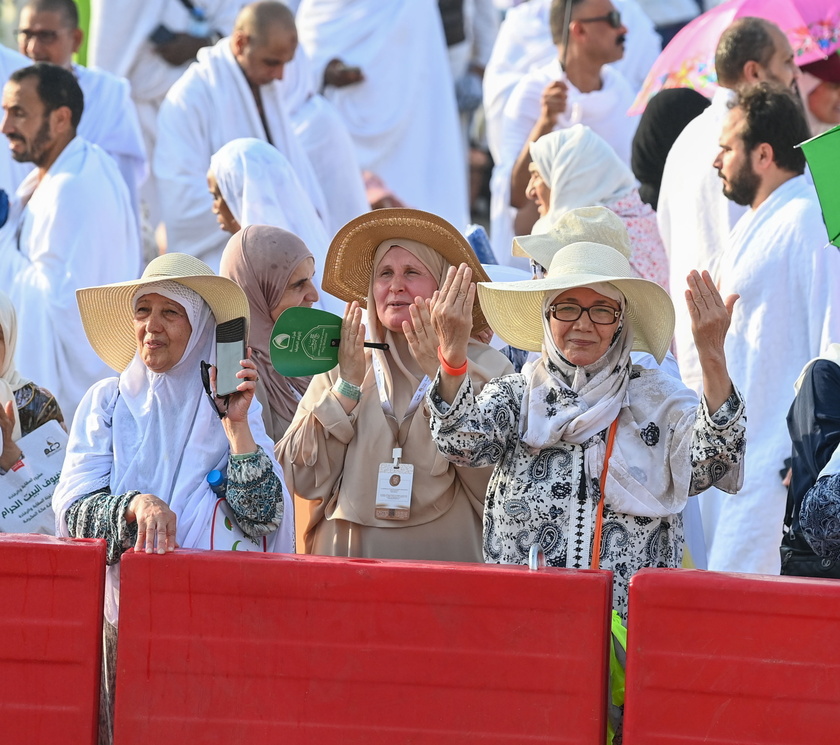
(613,18)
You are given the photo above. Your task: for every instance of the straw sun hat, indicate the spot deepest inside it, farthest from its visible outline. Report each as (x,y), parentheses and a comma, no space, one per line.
(349,264)
(108,317)
(514,309)
(592,224)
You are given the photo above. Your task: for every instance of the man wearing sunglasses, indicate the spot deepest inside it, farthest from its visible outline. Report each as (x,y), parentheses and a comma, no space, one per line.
(575,87)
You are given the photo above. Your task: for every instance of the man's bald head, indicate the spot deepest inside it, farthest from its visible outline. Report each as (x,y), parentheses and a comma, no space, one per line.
(264,40)
(261,20)
(752,50)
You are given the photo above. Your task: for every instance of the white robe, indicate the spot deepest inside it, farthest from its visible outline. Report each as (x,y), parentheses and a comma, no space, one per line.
(119,43)
(75,229)
(403,117)
(789,311)
(694,217)
(604,111)
(11,172)
(524,44)
(327,143)
(110,121)
(208,107)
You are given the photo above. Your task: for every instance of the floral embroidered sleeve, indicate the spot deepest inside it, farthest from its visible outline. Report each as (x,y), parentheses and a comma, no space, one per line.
(474,430)
(102,515)
(717,446)
(255,493)
(819,517)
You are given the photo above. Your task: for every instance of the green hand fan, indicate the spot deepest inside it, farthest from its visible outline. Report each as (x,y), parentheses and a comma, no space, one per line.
(304,341)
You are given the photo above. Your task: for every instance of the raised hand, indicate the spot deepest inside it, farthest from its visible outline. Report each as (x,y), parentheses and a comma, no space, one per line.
(452,315)
(421,337)
(710,320)
(351,349)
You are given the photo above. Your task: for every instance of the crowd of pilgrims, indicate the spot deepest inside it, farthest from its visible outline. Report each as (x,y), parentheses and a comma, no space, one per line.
(608,376)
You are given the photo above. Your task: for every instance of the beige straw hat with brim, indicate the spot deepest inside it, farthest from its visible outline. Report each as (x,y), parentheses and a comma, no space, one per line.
(108,317)
(584,224)
(514,309)
(349,264)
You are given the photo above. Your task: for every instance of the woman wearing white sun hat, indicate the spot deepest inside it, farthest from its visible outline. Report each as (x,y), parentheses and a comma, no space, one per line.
(583,405)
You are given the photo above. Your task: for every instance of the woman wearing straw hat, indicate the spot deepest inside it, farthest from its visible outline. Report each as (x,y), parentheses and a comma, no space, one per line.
(585,421)
(142,444)
(362,423)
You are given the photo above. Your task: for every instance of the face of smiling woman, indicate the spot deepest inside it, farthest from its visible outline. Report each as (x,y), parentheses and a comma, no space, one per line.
(399,278)
(582,342)
(162,330)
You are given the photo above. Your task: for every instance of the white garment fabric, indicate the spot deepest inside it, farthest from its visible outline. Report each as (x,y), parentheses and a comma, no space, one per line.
(694,217)
(110,120)
(76,228)
(667,12)
(118,42)
(210,105)
(12,173)
(260,187)
(524,44)
(604,111)
(10,379)
(327,143)
(403,117)
(157,433)
(789,311)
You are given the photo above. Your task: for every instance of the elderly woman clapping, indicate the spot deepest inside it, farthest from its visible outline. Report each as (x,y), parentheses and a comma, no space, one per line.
(361,427)
(586,438)
(142,444)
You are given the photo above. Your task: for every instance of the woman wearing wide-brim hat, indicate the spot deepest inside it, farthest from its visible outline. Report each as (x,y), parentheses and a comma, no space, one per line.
(339,451)
(142,444)
(583,404)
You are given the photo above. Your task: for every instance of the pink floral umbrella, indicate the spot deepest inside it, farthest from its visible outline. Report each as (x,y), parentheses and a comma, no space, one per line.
(811,26)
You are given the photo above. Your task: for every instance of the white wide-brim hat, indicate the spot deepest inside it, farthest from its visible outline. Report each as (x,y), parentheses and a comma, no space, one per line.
(584,224)
(514,309)
(108,316)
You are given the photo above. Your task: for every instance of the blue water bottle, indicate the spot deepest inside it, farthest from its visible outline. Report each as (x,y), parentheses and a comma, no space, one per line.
(218,482)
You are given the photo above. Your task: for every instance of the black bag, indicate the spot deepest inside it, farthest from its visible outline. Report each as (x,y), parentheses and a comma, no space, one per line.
(452,15)
(814,426)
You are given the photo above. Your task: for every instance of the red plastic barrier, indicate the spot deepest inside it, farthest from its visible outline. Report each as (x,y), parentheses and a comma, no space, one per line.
(222,648)
(732,658)
(51,632)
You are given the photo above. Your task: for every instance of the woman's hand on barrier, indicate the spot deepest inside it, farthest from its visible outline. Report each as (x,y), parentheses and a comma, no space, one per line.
(452,315)
(155,524)
(351,348)
(421,336)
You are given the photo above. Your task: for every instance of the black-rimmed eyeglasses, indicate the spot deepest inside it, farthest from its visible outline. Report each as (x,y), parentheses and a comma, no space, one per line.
(44,36)
(601,315)
(613,18)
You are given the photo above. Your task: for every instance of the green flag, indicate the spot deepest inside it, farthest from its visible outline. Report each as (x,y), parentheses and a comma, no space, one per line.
(823,155)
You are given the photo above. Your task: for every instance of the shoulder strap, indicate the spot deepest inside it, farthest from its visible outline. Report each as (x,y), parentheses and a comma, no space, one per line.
(599,519)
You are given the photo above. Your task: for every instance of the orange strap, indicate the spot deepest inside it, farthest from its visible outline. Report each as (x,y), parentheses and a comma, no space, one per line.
(599,519)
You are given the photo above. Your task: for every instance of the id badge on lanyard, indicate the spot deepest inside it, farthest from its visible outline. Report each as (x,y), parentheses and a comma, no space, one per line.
(393,485)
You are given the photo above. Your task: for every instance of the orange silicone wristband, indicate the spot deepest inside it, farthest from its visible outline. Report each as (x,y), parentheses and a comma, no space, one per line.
(448,369)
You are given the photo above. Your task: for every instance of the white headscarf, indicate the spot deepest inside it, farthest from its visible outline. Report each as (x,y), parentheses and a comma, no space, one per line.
(260,187)
(10,379)
(581,170)
(572,403)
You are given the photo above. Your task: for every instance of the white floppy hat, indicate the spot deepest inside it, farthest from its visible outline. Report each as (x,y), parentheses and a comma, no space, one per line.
(349,264)
(514,309)
(107,315)
(583,224)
